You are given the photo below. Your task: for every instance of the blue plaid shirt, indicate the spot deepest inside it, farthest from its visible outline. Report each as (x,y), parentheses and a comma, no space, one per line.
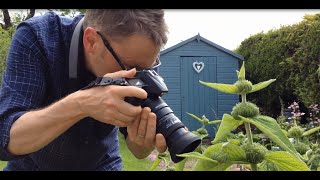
(36,75)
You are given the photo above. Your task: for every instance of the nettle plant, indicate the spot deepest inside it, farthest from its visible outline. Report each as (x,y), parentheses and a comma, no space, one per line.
(222,154)
(202,132)
(301,137)
(165,157)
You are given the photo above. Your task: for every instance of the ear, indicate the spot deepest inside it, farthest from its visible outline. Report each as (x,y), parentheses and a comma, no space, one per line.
(90,40)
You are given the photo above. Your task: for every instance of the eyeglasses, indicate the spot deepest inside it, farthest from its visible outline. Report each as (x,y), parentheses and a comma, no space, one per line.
(108,46)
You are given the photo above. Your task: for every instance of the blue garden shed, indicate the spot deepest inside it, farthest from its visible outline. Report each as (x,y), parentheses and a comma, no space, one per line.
(189,61)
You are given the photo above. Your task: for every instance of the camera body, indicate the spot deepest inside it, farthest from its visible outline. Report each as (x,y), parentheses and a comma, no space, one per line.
(179,140)
(151,82)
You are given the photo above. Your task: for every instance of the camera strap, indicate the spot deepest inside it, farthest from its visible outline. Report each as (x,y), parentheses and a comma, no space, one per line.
(105,81)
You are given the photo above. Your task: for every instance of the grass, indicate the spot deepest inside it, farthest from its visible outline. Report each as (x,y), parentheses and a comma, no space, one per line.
(130,163)
(2,164)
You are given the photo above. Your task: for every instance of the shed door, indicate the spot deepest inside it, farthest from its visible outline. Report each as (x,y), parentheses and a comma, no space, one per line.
(197,98)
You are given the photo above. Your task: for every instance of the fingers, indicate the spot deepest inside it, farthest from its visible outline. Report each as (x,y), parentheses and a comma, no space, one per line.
(143,129)
(113,97)
(144,134)
(119,119)
(133,128)
(128,109)
(151,128)
(128,91)
(107,104)
(161,144)
(123,73)
(143,125)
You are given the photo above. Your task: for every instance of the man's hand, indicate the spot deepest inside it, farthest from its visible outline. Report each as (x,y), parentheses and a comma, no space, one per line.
(106,103)
(142,137)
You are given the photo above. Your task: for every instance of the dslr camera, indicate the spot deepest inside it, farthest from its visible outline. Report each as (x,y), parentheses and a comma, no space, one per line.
(179,139)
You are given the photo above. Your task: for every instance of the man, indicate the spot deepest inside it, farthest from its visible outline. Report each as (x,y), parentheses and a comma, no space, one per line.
(49,120)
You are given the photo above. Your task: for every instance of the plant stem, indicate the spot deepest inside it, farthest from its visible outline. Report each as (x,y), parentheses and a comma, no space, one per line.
(250,141)
(246,124)
(294,122)
(201,142)
(248,133)
(254,167)
(244,97)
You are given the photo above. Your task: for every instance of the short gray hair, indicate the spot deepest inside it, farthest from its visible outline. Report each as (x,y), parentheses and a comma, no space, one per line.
(117,23)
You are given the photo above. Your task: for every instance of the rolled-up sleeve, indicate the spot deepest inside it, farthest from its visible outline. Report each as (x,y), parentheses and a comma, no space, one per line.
(23,85)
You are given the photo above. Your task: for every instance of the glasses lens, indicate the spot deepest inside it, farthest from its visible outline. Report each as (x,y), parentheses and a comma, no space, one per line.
(157,63)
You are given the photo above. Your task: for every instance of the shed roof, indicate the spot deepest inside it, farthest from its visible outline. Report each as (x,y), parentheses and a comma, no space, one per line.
(200,38)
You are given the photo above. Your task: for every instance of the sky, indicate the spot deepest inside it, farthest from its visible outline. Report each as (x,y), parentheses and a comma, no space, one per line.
(227,28)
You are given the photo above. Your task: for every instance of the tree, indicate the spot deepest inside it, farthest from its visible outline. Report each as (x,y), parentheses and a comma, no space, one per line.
(29,13)
(291,55)
(8,21)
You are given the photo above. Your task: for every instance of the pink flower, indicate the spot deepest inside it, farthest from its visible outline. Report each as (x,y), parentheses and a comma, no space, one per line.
(162,164)
(152,157)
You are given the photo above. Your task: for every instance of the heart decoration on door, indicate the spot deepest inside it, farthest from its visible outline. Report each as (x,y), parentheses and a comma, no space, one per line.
(198,66)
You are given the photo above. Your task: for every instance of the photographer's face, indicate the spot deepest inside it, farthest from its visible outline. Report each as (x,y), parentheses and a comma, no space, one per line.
(136,51)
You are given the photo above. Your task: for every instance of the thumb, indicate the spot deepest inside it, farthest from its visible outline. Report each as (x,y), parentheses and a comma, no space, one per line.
(123,73)
(161,144)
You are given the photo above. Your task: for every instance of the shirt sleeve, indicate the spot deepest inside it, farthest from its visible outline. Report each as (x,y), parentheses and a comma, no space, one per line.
(23,83)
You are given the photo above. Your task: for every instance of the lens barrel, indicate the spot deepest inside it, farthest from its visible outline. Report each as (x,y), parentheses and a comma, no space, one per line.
(179,140)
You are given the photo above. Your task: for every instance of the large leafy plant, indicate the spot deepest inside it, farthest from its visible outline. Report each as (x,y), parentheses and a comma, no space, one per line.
(222,154)
(301,140)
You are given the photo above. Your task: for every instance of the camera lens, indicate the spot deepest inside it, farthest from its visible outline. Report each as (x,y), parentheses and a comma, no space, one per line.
(179,139)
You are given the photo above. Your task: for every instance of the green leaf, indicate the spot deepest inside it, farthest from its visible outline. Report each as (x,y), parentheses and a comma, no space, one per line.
(311,159)
(215,121)
(285,132)
(236,153)
(197,155)
(236,156)
(200,135)
(155,164)
(270,128)
(261,85)
(310,131)
(203,135)
(242,73)
(180,165)
(196,133)
(227,125)
(234,141)
(226,88)
(286,161)
(196,117)
(204,165)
